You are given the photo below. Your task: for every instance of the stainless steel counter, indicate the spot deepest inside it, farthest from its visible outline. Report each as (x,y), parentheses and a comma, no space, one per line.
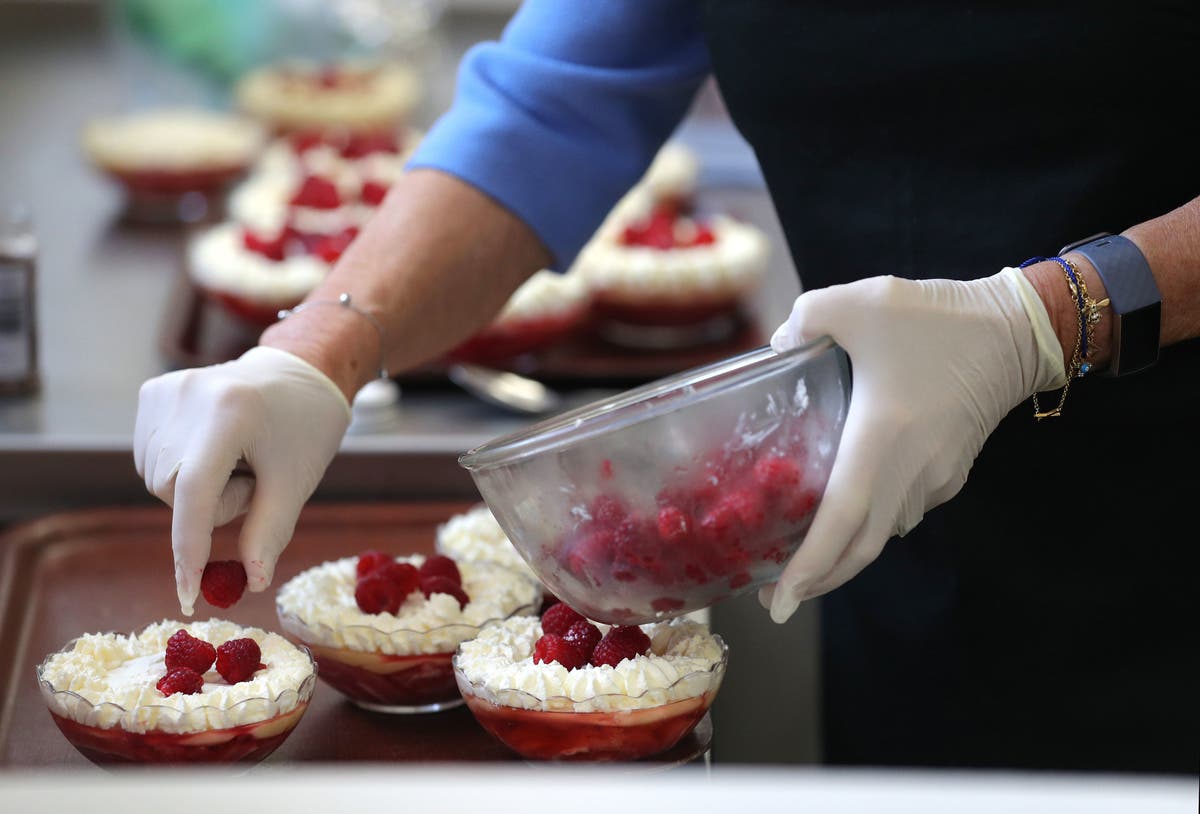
(102,291)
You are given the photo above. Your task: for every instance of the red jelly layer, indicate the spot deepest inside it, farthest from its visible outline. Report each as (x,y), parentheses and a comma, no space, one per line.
(613,306)
(256,313)
(242,744)
(406,681)
(510,338)
(589,736)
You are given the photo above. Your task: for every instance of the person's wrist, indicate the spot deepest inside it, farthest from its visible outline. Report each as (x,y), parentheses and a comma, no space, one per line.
(337,342)
(1048,280)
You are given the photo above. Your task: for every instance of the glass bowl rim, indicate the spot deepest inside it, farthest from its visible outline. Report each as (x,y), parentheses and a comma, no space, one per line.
(639,404)
(303,692)
(716,669)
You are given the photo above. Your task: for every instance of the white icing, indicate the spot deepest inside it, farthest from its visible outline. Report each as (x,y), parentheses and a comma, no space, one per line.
(685,661)
(673,172)
(319,606)
(173,139)
(726,268)
(219,261)
(475,535)
(108,680)
(546,293)
(385,97)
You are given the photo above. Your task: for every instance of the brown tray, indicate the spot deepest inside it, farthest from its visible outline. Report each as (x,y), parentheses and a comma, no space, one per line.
(196,331)
(111,570)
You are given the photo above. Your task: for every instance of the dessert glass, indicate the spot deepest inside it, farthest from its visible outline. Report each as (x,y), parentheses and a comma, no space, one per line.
(675,495)
(109,733)
(601,728)
(389,668)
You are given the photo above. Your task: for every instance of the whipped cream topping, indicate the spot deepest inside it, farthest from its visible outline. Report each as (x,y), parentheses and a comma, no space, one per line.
(292,96)
(726,268)
(685,661)
(476,535)
(108,680)
(318,605)
(173,139)
(546,293)
(218,260)
(673,173)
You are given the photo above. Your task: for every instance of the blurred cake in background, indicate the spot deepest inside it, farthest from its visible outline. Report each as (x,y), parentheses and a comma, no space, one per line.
(547,308)
(300,97)
(293,217)
(664,275)
(174,163)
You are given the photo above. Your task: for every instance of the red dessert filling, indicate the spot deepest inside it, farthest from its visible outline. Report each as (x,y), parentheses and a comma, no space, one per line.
(666,227)
(594,736)
(405,681)
(507,339)
(243,744)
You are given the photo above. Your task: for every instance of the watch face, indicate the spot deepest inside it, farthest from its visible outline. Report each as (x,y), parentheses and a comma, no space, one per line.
(1072,246)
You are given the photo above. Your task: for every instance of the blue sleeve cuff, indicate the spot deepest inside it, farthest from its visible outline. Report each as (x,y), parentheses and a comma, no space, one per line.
(558,141)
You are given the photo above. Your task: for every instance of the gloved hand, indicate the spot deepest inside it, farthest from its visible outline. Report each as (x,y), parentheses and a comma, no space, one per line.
(936,365)
(268,411)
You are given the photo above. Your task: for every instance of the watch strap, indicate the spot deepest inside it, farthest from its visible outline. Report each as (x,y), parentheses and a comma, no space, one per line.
(1134,297)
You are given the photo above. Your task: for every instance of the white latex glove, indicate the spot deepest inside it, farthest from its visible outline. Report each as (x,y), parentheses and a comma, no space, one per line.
(268,411)
(936,365)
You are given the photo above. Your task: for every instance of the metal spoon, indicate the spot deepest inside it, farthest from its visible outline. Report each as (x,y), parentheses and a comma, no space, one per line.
(505,389)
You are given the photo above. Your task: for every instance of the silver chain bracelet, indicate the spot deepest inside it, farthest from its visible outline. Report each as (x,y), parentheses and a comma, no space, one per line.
(344,301)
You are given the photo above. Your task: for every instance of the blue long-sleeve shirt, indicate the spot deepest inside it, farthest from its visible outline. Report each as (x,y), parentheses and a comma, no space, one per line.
(563,114)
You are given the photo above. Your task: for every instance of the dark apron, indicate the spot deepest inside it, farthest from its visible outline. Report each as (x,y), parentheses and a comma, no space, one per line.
(1047,616)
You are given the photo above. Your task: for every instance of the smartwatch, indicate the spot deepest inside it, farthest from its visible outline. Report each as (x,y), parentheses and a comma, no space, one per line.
(1133,295)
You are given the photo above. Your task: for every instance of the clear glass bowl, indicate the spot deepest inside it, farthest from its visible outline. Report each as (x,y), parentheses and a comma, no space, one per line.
(600,728)
(108,733)
(389,669)
(675,495)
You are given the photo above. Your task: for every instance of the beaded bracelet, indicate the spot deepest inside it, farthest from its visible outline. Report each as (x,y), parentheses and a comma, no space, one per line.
(1088,313)
(344,301)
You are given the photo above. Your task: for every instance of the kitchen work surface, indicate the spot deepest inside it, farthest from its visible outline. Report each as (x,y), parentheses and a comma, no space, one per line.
(110,570)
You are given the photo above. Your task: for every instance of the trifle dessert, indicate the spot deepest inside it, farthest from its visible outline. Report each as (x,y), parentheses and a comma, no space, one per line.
(301,97)
(161,156)
(664,275)
(292,219)
(561,687)
(200,692)
(547,308)
(383,628)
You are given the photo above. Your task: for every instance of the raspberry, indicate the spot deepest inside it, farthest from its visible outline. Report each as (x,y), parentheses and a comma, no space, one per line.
(370,560)
(331,247)
(377,593)
(666,604)
(776,474)
(373,192)
(704,236)
(620,643)
(739,580)
(185,650)
(558,619)
(607,511)
(550,648)
(674,525)
(444,585)
(583,636)
(182,680)
(305,141)
(441,566)
(403,575)
(606,469)
(317,193)
(238,659)
(223,582)
(272,249)
(800,505)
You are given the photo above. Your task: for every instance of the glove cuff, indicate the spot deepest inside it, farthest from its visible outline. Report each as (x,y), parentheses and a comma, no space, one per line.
(1051,372)
(278,361)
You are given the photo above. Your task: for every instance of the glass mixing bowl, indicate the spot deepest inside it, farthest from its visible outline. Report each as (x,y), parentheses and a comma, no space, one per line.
(677,494)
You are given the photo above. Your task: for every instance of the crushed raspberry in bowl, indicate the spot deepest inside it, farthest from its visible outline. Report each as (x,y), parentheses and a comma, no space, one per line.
(637,693)
(204,692)
(383,629)
(676,495)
